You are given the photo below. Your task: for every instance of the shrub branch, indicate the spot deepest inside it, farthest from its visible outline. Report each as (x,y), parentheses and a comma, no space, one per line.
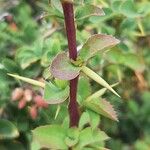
(71,36)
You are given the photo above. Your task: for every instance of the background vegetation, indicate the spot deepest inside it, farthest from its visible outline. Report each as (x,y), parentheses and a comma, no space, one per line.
(32,33)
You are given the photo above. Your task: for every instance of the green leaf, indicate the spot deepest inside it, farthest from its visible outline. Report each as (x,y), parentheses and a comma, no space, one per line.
(4,86)
(46,74)
(50,136)
(11,144)
(97,43)
(141,145)
(26,57)
(134,62)
(94,119)
(116,6)
(10,65)
(89,117)
(72,137)
(105,28)
(66,121)
(95,148)
(128,24)
(144,8)
(7,130)
(54,94)
(102,107)
(88,137)
(128,8)
(57,5)
(109,14)
(133,107)
(38,47)
(85,11)
(131,60)
(84,88)
(51,48)
(61,83)
(62,68)
(84,119)
(35,145)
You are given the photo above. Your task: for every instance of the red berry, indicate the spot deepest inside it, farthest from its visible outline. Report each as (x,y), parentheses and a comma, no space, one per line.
(33,112)
(22,103)
(40,101)
(17,94)
(28,95)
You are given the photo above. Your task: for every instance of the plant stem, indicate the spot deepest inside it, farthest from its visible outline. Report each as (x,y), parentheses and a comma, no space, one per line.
(71,36)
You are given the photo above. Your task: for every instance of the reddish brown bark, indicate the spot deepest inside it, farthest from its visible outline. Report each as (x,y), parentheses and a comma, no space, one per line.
(71,36)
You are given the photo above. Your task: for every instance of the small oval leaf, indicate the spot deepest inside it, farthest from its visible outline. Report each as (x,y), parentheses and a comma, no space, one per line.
(72,137)
(7,130)
(131,60)
(96,43)
(88,10)
(63,69)
(54,94)
(88,137)
(50,136)
(102,107)
(128,8)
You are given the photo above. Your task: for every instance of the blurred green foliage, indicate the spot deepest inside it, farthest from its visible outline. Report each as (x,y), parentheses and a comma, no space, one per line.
(32,33)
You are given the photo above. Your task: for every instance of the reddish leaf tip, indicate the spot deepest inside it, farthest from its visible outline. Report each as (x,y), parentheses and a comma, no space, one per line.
(97,43)
(110,110)
(62,68)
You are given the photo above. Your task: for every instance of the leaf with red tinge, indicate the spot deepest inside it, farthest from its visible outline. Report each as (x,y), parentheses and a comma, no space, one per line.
(102,107)
(63,69)
(88,10)
(97,43)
